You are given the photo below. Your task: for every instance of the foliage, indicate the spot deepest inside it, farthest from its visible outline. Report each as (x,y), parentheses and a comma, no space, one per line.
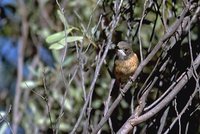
(68,51)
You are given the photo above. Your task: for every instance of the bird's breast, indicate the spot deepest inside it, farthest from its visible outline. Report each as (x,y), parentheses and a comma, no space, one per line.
(123,69)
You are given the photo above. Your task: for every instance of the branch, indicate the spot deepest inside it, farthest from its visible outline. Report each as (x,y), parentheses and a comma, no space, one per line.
(112,26)
(16,114)
(162,41)
(132,121)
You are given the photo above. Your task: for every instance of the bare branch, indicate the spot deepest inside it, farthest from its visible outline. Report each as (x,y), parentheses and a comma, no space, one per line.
(134,121)
(171,31)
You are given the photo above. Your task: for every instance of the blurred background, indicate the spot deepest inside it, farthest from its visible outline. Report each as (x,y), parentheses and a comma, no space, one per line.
(24,26)
(39,66)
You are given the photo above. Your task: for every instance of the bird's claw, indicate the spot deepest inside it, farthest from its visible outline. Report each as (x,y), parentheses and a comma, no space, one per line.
(122,92)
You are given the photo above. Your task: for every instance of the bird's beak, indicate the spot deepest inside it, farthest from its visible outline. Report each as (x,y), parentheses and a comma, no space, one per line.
(121,52)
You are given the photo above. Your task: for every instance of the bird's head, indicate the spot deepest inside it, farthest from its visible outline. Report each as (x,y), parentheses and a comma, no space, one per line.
(124,50)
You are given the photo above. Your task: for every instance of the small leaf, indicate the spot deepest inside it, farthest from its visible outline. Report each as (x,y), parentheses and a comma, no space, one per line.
(65,126)
(55,37)
(62,18)
(56,46)
(58,36)
(61,44)
(96,104)
(68,60)
(72,39)
(29,84)
(67,105)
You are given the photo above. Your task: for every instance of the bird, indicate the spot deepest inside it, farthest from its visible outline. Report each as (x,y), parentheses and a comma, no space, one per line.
(125,64)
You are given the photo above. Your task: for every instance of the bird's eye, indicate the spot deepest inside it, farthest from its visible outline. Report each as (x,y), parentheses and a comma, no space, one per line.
(125,49)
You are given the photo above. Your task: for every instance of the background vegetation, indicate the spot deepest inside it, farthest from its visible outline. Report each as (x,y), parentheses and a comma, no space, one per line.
(55,58)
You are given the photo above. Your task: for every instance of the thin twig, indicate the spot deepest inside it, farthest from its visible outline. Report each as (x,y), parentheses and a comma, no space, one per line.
(16,114)
(141,66)
(183,110)
(61,70)
(113,24)
(46,101)
(163,103)
(163,120)
(4,118)
(140,26)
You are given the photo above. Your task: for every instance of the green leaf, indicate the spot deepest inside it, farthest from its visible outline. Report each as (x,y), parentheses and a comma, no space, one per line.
(65,126)
(96,104)
(55,37)
(72,39)
(56,46)
(59,36)
(62,18)
(61,43)
(29,84)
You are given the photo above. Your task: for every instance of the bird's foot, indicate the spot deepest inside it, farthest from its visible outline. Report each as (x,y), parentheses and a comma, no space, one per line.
(122,92)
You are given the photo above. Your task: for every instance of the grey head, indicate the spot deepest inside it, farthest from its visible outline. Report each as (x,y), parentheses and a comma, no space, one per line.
(124,50)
